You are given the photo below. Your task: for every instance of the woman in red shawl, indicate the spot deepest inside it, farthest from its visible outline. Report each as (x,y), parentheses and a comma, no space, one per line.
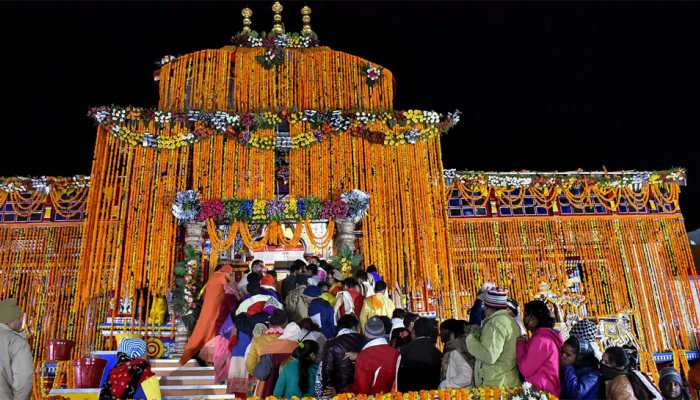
(218,303)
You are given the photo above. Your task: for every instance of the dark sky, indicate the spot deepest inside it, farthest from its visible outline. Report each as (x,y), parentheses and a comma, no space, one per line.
(543,86)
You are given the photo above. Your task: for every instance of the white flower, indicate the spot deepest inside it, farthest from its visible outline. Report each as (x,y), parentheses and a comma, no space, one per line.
(527,386)
(543,396)
(516,397)
(531,398)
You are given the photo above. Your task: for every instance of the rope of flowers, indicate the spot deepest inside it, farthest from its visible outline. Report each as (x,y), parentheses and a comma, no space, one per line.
(525,392)
(168,130)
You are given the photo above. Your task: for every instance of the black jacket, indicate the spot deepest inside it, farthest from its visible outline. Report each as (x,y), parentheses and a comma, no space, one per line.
(420,366)
(337,371)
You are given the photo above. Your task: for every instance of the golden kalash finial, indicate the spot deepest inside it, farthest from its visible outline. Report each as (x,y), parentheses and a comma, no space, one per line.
(306,20)
(277,27)
(246,13)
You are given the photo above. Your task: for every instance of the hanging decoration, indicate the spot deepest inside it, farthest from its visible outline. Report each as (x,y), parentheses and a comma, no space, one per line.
(373,74)
(66,195)
(140,126)
(188,284)
(43,184)
(346,261)
(187,207)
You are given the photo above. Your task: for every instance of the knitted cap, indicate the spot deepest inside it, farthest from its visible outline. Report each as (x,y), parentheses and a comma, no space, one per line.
(267,280)
(374,328)
(312,291)
(669,373)
(496,298)
(133,348)
(584,330)
(9,311)
(513,305)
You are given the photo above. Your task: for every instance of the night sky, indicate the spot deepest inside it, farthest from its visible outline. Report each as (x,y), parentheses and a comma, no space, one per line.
(542,86)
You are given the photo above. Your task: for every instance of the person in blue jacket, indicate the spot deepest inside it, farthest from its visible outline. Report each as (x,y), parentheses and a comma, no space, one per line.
(580,378)
(320,311)
(298,375)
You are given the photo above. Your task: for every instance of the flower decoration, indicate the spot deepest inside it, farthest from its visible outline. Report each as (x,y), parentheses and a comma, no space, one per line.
(127,124)
(372,74)
(411,136)
(346,261)
(42,184)
(188,284)
(186,206)
(272,57)
(283,40)
(357,202)
(569,180)
(352,205)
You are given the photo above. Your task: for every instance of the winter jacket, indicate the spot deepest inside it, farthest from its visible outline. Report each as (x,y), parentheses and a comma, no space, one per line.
(16,369)
(288,284)
(538,359)
(579,384)
(288,381)
(619,388)
(322,313)
(376,305)
(295,305)
(256,348)
(337,371)
(457,370)
(493,347)
(420,366)
(375,368)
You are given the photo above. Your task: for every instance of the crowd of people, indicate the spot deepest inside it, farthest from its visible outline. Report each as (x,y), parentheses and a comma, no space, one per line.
(316,333)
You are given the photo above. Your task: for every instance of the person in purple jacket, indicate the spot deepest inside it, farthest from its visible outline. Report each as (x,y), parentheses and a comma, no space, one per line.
(538,356)
(580,378)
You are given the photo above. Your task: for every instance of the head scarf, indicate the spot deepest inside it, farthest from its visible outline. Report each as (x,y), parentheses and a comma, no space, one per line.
(291,332)
(132,347)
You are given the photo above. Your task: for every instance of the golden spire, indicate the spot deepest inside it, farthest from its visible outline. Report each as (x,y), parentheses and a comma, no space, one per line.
(277,27)
(306,20)
(246,13)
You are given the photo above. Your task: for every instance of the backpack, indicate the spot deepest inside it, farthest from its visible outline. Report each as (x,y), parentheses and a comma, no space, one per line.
(264,367)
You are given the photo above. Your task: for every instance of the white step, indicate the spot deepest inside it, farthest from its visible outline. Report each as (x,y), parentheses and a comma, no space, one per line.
(184,371)
(174,380)
(192,389)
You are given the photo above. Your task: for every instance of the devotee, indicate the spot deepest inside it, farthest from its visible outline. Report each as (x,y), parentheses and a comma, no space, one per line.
(349,300)
(205,329)
(457,365)
(493,346)
(271,358)
(514,309)
(366,289)
(476,313)
(586,331)
(131,377)
(623,382)
(409,320)
(336,282)
(420,364)
(372,270)
(375,368)
(257,266)
(277,321)
(377,304)
(320,311)
(538,356)
(325,294)
(338,370)
(296,304)
(290,282)
(397,319)
(671,384)
(16,370)
(298,375)
(311,331)
(580,379)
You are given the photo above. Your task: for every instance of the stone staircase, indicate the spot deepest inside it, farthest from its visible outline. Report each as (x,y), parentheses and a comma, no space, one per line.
(187,382)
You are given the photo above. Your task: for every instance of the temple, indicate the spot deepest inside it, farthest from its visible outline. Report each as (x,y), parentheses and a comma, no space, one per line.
(268,148)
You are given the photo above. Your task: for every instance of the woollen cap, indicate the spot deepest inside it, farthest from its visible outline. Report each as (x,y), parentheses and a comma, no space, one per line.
(496,298)
(9,311)
(374,328)
(669,373)
(584,330)
(132,347)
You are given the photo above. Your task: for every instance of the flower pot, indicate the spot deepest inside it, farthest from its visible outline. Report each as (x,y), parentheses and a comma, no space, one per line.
(59,349)
(88,372)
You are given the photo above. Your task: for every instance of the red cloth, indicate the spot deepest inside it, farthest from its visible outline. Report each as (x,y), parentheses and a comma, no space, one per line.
(375,370)
(120,376)
(205,330)
(357,301)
